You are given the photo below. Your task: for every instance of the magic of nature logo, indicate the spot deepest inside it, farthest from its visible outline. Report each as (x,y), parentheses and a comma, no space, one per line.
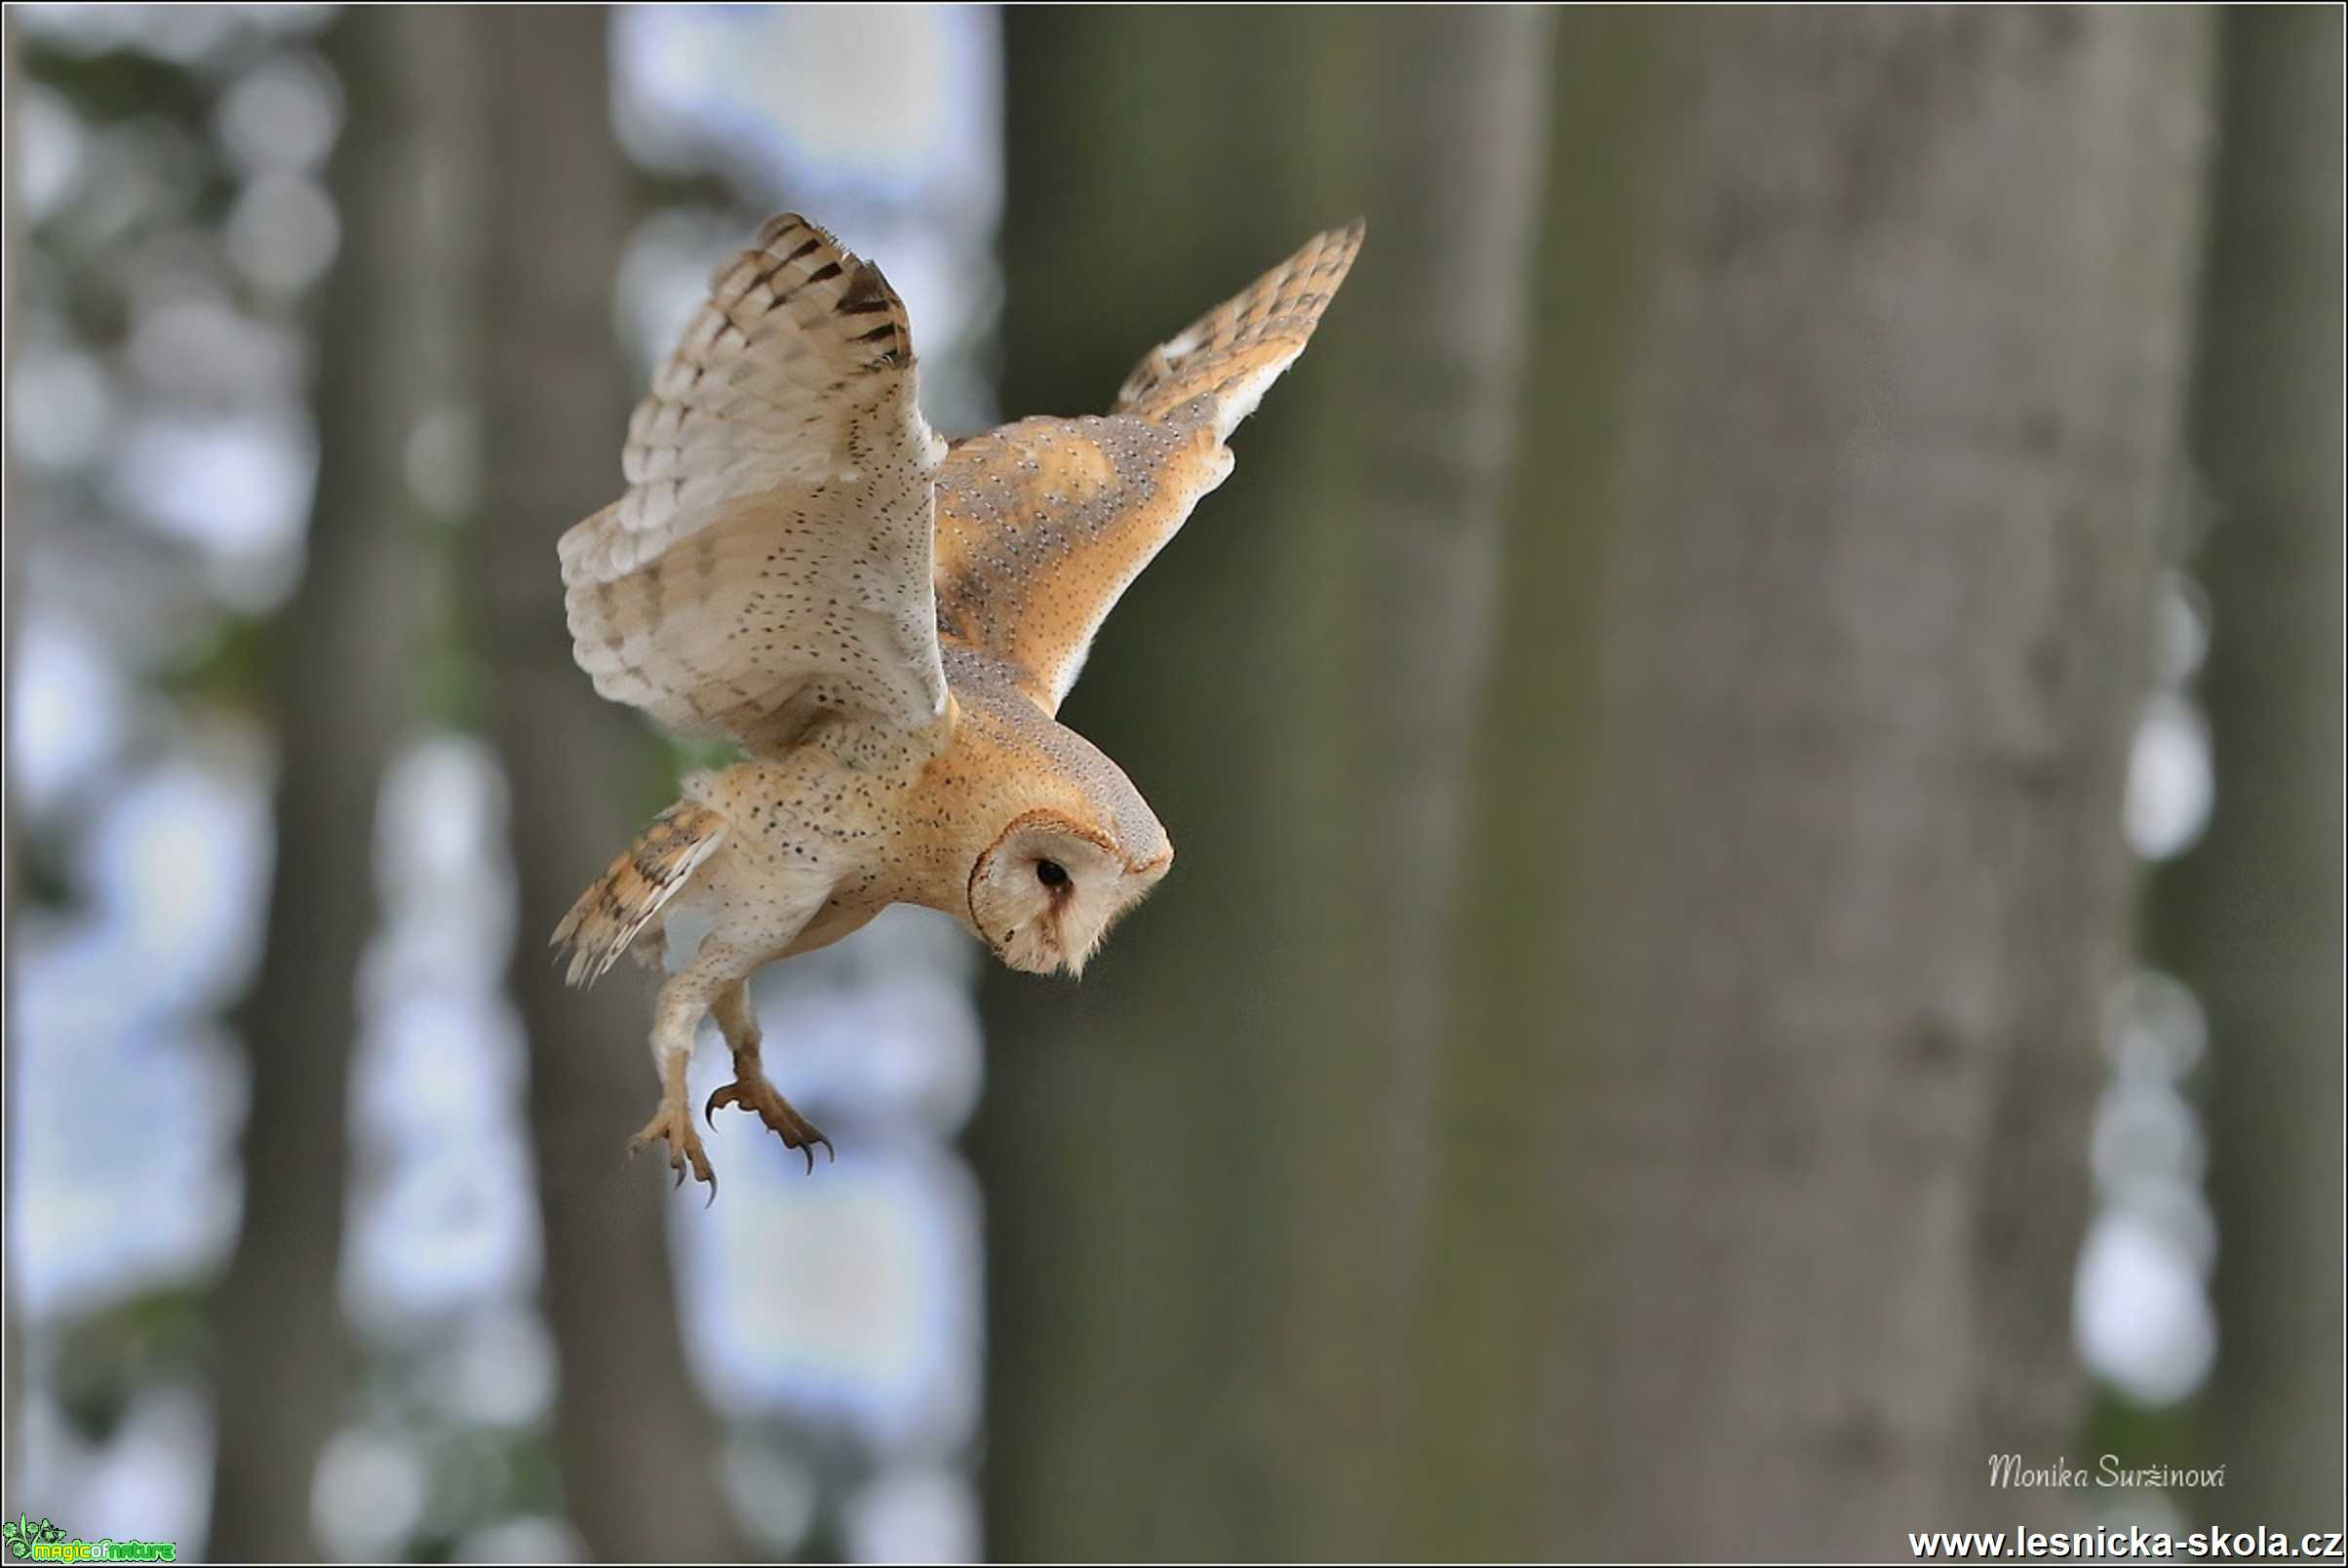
(41,1541)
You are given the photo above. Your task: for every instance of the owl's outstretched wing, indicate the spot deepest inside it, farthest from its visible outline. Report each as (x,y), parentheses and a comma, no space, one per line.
(1043,525)
(771,564)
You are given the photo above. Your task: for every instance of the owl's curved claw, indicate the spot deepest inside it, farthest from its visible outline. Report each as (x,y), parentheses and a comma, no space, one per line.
(831,1156)
(731,1094)
(752,1092)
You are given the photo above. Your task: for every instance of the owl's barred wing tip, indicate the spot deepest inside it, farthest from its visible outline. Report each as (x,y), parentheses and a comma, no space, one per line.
(1232,353)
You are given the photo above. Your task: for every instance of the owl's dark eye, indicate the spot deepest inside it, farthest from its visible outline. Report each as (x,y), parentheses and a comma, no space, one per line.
(1051,874)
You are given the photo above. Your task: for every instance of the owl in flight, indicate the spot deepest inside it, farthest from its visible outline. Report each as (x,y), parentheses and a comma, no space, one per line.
(884,623)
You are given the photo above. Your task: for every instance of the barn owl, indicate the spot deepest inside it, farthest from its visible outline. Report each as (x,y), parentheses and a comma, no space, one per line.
(884,623)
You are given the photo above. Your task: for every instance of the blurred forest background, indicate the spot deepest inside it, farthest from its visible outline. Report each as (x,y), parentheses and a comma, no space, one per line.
(1756,742)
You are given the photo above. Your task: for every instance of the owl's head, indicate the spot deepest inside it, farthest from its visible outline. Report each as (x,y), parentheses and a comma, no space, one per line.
(1048,889)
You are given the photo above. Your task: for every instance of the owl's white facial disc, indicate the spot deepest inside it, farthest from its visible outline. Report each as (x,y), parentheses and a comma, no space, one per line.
(1047,891)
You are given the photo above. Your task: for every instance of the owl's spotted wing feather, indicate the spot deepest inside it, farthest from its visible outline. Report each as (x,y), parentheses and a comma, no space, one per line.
(770,563)
(1043,525)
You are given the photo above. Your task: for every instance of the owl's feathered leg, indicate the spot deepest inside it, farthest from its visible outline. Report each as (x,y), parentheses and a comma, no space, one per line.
(684,999)
(750,1090)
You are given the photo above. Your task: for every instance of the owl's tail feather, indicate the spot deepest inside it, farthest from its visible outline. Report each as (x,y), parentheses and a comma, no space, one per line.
(609,915)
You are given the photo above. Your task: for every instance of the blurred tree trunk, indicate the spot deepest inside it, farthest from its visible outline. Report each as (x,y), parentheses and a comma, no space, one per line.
(1123,1141)
(2252,916)
(1167,1045)
(638,1448)
(1724,1199)
(1389,516)
(1803,1070)
(277,1323)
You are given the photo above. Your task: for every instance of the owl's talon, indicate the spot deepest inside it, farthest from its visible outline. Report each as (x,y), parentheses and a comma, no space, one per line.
(752,1092)
(673,1125)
